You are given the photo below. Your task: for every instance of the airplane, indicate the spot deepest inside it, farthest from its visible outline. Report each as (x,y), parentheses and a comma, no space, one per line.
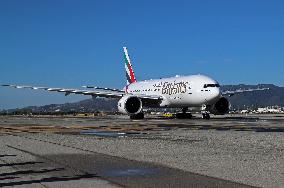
(184,92)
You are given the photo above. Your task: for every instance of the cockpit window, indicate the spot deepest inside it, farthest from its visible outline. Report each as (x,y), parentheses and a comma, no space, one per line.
(211,85)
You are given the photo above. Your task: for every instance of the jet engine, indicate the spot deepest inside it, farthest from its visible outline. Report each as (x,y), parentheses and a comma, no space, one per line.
(130,105)
(221,107)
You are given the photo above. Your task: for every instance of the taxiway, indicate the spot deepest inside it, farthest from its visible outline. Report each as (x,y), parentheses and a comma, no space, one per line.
(113,151)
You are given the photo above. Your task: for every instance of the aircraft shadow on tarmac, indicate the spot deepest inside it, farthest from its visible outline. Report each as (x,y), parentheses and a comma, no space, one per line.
(7,155)
(23,172)
(48,180)
(19,164)
(28,169)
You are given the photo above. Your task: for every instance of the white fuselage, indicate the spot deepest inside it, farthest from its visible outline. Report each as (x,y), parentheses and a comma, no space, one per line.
(180,91)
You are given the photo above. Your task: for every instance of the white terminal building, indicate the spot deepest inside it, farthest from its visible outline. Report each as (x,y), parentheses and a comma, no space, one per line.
(270,109)
(265,110)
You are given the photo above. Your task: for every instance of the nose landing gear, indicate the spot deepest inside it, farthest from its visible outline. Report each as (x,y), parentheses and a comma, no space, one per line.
(205,115)
(184,114)
(137,116)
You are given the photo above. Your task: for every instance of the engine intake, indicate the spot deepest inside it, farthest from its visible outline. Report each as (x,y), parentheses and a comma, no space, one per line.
(130,105)
(221,107)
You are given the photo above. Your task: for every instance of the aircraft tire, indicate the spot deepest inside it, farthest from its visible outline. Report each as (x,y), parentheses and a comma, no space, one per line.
(205,116)
(183,116)
(137,116)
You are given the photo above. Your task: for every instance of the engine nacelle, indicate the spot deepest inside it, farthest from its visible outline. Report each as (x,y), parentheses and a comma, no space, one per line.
(130,105)
(221,107)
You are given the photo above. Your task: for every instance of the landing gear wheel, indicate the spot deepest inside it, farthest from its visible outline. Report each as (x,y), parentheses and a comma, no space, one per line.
(137,116)
(205,116)
(184,115)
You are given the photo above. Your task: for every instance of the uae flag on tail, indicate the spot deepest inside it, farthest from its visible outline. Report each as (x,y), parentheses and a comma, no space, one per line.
(130,77)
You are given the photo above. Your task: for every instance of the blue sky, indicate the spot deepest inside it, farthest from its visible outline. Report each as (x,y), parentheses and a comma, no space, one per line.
(70,43)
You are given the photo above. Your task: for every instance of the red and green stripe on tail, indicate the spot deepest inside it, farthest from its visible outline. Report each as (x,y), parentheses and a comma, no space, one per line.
(128,67)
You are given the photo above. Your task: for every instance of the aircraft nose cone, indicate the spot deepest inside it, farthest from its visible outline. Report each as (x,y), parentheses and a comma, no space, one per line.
(213,96)
(219,92)
(216,93)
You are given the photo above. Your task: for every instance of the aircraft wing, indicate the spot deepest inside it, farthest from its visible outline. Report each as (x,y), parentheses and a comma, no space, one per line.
(238,91)
(141,96)
(98,92)
(95,92)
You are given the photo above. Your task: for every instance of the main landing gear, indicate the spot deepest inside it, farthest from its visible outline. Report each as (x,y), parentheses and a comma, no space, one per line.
(183,114)
(137,116)
(205,115)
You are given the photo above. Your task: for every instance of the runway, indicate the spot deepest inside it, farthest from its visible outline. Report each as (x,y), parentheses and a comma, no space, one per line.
(113,151)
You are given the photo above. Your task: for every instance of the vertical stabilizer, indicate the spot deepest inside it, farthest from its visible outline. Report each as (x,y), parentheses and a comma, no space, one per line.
(130,76)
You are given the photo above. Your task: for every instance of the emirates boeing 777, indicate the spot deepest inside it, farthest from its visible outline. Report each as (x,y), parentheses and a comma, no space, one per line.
(184,92)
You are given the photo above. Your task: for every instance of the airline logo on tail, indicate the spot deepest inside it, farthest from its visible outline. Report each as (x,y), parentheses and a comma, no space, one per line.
(128,67)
